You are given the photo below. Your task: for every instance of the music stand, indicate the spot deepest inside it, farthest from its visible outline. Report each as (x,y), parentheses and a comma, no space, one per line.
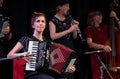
(103,66)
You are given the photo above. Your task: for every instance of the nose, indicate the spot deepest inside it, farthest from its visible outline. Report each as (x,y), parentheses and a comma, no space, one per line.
(40,22)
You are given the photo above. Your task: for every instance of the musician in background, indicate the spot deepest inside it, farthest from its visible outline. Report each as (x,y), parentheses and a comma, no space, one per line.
(5,36)
(5,43)
(5,31)
(38,23)
(97,38)
(5,46)
(62,28)
(114,15)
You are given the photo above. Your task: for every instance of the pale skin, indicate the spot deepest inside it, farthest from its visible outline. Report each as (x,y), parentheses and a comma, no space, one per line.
(97,20)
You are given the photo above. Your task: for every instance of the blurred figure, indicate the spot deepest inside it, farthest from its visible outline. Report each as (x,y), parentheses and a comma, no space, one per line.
(96,36)
(5,44)
(5,39)
(62,27)
(5,36)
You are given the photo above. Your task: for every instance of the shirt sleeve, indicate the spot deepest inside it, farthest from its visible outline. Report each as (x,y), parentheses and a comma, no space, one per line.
(23,40)
(88,32)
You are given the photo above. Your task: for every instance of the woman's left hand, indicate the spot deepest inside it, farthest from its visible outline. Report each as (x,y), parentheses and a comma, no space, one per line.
(71,69)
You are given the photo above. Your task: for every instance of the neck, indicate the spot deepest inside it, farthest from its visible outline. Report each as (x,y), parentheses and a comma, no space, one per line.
(60,16)
(38,35)
(97,25)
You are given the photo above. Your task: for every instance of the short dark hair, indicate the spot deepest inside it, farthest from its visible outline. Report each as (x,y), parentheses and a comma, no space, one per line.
(36,14)
(91,15)
(61,2)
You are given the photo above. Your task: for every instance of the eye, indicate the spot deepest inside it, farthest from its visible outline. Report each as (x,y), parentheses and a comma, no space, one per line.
(43,21)
(38,21)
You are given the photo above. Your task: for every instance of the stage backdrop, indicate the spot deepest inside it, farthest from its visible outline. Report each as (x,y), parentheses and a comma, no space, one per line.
(20,12)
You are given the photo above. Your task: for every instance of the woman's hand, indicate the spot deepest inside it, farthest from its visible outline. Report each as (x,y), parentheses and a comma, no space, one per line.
(75,22)
(71,69)
(26,56)
(113,14)
(107,48)
(74,26)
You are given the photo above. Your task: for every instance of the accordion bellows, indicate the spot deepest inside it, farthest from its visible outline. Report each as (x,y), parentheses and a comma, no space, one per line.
(61,58)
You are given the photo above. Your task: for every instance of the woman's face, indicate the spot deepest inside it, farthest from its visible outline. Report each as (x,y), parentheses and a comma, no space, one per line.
(39,24)
(97,19)
(64,8)
(6,30)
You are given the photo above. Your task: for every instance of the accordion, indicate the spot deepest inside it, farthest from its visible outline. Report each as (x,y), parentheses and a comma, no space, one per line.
(61,58)
(58,58)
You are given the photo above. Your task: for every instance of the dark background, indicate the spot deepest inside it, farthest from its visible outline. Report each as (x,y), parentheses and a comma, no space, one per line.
(20,12)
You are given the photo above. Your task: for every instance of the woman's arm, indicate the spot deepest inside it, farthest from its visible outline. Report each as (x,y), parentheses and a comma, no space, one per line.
(15,50)
(54,35)
(76,24)
(94,45)
(113,14)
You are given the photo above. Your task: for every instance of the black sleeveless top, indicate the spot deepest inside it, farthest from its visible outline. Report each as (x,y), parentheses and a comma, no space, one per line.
(62,26)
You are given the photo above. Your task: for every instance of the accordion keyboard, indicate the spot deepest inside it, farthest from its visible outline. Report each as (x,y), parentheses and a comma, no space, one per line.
(32,49)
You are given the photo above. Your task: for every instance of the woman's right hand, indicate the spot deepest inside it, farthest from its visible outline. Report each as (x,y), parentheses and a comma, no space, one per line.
(107,48)
(26,56)
(74,27)
(113,14)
